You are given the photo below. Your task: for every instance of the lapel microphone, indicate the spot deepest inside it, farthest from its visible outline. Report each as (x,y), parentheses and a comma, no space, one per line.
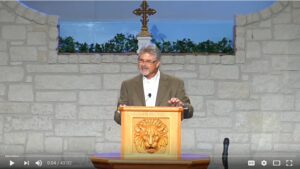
(149,95)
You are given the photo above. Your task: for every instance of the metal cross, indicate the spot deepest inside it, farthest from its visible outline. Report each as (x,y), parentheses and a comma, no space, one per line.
(144,11)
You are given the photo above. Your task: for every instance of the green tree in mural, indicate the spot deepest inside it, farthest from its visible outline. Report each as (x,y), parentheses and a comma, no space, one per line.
(83,48)
(66,45)
(128,43)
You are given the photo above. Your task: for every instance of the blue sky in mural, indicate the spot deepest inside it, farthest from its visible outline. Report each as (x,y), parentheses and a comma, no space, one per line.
(99,21)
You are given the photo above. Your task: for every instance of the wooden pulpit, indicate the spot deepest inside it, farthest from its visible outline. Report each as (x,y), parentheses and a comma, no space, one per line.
(151,138)
(151,132)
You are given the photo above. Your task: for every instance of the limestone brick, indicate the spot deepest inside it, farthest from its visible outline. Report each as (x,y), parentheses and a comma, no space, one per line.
(253,50)
(298,101)
(296,16)
(108,147)
(2,89)
(265,14)
(186,75)
(228,59)
(287,147)
(12,108)
(23,53)
(266,84)
(56,96)
(53,33)
(42,109)
(13,32)
(65,111)
(277,7)
(200,87)
(256,66)
(240,20)
(12,149)
(296,133)
(218,122)
(261,142)
(112,131)
(35,143)
(96,112)
(225,72)
(99,68)
(240,56)
(3,45)
(277,102)
(46,68)
(76,144)
(113,81)
(15,138)
(207,135)
(290,116)
(98,97)
(53,145)
(20,92)
(6,16)
(214,59)
(78,128)
(129,68)
(34,123)
(167,59)
(247,105)
(36,38)
(259,34)
(282,18)
(53,20)
(240,43)
(233,90)
(11,73)
(219,107)
(188,138)
(286,32)
(253,18)
(296,4)
(172,67)
(200,59)
(3,58)
(61,82)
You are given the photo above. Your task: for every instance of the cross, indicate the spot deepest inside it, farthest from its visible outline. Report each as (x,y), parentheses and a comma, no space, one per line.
(144,11)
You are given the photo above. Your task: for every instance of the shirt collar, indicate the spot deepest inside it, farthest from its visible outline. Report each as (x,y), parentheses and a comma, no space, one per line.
(155,78)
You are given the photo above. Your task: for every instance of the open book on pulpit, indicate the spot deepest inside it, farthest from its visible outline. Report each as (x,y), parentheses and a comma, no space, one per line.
(151,132)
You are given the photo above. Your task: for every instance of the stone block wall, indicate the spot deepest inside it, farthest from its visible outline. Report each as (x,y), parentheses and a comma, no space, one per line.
(54,104)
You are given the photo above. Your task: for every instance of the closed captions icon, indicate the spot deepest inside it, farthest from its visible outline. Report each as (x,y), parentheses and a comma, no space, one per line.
(251,163)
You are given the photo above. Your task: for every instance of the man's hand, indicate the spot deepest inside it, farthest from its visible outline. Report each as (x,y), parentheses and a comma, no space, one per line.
(175,102)
(121,105)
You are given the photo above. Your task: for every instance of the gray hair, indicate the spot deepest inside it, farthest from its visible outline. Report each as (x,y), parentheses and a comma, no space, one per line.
(151,49)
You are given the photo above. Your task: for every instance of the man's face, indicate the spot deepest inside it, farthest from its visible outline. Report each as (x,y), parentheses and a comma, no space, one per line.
(148,65)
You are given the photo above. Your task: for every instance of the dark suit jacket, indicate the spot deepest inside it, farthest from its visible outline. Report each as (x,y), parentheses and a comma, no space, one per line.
(132,93)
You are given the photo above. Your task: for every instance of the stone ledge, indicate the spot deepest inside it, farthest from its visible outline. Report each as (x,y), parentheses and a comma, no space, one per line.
(30,14)
(243,20)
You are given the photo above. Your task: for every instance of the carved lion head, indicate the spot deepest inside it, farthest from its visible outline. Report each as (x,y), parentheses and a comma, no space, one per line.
(150,136)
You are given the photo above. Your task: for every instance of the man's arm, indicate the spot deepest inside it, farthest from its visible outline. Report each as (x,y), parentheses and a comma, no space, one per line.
(123,100)
(188,109)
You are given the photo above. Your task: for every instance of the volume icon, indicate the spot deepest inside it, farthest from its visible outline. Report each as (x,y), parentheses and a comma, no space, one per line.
(39,163)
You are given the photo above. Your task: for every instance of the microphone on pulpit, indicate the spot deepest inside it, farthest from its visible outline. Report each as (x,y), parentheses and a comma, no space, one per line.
(225,153)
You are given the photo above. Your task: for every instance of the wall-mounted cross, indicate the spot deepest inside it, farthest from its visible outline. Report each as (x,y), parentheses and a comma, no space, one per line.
(144,11)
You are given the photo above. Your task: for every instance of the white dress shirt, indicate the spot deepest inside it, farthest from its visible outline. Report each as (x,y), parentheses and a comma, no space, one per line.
(150,89)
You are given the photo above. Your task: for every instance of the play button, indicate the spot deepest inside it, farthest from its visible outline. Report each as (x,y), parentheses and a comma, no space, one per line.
(11,163)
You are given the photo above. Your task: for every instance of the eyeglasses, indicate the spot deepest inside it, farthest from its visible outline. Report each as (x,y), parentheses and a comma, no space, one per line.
(147,61)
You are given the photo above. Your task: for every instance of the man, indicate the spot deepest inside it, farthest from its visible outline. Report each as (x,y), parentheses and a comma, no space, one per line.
(152,87)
